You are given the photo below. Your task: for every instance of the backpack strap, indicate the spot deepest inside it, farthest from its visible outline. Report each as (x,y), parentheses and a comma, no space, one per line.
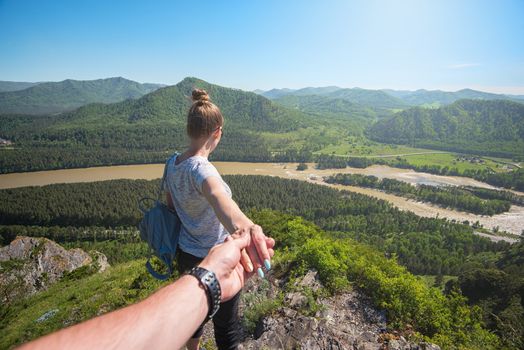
(158,275)
(164,176)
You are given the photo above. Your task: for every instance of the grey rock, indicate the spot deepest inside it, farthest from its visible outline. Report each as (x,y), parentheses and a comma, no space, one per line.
(295,300)
(40,262)
(369,336)
(344,321)
(428,346)
(47,315)
(100,259)
(395,345)
(310,280)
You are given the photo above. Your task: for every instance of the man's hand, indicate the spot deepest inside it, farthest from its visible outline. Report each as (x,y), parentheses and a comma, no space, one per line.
(224,259)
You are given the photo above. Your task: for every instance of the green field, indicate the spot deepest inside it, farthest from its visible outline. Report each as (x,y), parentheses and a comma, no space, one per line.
(453,160)
(72,301)
(361,147)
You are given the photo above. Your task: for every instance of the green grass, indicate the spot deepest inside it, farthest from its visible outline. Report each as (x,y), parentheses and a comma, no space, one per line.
(303,137)
(450,160)
(75,300)
(362,147)
(429,280)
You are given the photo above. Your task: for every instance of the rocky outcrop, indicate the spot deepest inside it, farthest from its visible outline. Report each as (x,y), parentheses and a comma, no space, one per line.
(30,264)
(344,321)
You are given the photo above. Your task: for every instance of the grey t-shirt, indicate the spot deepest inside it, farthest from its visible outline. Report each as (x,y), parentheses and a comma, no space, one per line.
(201,229)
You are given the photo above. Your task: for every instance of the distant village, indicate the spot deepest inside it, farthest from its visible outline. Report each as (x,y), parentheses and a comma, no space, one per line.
(471,159)
(4,142)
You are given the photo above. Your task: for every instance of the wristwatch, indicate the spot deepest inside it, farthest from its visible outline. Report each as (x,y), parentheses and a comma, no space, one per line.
(209,281)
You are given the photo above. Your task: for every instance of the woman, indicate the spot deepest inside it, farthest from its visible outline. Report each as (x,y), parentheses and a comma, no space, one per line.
(203,202)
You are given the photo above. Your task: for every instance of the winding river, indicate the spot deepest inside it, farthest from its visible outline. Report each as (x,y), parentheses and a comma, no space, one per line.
(511,221)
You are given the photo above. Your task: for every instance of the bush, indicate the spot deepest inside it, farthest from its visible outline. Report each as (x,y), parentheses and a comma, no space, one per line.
(302,166)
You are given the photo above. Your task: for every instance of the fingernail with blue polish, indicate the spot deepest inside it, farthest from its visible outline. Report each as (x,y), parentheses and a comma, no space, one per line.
(260,272)
(267,264)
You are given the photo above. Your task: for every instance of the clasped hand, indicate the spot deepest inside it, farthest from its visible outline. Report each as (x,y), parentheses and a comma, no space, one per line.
(233,262)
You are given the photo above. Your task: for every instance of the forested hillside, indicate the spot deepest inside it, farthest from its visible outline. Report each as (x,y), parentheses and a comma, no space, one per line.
(482,127)
(354,116)
(474,200)
(15,85)
(308,91)
(423,245)
(376,100)
(143,130)
(438,98)
(56,97)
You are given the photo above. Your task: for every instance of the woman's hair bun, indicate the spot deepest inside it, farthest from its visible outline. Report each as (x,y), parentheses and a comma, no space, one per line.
(200,95)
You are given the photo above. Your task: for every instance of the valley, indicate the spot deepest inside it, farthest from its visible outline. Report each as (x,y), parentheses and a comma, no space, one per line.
(75,176)
(511,222)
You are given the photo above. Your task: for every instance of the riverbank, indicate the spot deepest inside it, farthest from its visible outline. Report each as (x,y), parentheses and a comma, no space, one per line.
(511,221)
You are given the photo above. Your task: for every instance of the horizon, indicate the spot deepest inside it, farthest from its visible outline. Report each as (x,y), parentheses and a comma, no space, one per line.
(282,88)
(408,45)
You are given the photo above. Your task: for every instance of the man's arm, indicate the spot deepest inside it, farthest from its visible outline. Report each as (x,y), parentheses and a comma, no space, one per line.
(166,319)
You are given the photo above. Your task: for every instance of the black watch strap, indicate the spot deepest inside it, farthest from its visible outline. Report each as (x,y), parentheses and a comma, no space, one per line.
(209,281)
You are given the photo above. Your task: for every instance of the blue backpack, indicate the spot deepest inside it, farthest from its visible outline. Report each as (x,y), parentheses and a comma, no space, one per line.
(160,228)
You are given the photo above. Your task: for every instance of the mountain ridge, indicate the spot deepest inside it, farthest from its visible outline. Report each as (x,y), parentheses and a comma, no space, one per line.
(407,97)
(69,94)
(491,127)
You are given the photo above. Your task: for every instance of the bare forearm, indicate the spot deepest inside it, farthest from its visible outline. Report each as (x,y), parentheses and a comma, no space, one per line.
(164,320)
(229,213)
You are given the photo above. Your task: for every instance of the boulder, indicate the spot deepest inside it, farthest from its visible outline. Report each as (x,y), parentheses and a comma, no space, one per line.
(30,264)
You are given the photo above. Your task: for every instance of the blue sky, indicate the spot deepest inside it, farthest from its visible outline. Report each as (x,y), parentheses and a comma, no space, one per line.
(253,44)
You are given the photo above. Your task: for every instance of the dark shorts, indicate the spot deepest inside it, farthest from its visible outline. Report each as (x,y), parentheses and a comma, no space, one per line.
(226,321)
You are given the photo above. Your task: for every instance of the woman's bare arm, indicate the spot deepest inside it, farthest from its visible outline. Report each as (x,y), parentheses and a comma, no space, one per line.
(225,208)
(256,254)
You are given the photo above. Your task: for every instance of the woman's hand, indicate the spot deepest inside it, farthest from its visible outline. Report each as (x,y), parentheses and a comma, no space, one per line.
(258,253)
(224,260)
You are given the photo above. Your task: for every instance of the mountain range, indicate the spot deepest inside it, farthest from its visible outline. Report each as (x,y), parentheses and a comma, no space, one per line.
(288,128)
(146,129)
(15,85)
(378,100)
(56,97)
(494,127)
(388,98)
(438,97)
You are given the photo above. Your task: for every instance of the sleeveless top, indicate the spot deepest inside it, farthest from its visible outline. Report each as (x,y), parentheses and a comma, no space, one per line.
(201,229)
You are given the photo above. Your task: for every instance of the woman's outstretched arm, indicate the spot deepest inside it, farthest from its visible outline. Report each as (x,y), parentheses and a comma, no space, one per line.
(226,208)
(234,219)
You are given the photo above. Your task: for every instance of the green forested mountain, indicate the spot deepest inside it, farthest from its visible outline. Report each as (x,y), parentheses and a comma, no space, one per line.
(56,97)
(142,130)
(438,97)
(170,105)
(274,93)
(375,99)
(354,115)
(307,91)
(370,98)
(388,98)
(15,85)
(484,127)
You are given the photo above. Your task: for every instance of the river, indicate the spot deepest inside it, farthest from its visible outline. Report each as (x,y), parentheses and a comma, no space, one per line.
(512,221)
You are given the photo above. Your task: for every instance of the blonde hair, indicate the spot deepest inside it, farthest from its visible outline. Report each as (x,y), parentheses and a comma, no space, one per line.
(204,116)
